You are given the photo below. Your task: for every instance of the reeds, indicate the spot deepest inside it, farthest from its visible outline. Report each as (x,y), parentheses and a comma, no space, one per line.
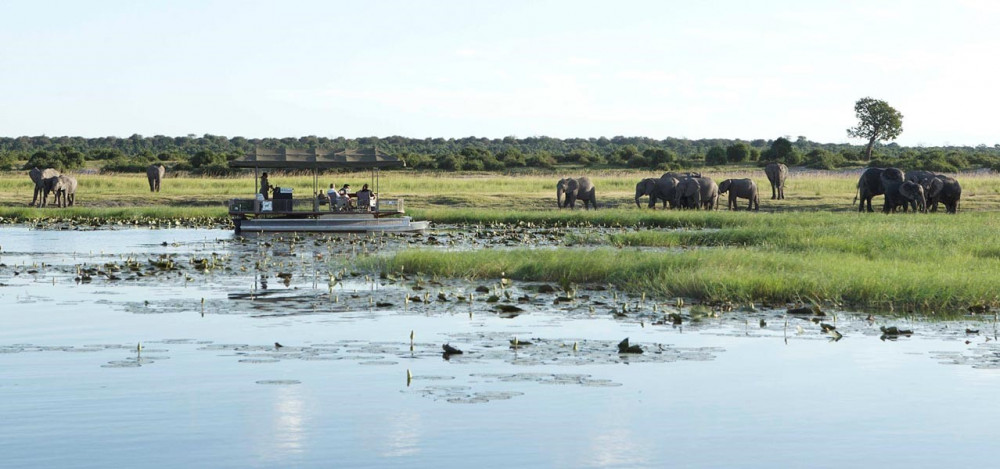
(920,263)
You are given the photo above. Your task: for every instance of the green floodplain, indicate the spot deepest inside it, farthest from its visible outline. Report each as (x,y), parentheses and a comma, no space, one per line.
(812,247)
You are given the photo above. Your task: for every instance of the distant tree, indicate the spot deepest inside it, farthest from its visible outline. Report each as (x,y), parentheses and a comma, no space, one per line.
(738,152)
(451,162)
(716,156)
(43,159)
(822,159)
(8,160)
(70,157)
(207,158)
(626,152)
(659,156)
(782,151)
(541,159)
(511,156)
(877,120)
(105,154)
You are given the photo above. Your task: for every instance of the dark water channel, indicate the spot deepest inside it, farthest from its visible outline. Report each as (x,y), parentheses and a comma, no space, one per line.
(158,347)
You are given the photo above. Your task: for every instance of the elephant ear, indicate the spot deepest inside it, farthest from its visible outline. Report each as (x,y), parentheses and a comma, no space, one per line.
(934,187)
(724,185)
(910,190)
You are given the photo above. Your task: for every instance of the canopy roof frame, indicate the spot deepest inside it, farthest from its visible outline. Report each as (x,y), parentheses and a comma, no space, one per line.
(316,159)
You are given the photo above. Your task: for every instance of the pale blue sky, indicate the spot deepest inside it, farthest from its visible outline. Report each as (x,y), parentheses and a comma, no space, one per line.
(726,69)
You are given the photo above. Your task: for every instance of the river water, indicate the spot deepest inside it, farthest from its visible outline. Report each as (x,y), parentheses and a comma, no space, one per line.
(117,349)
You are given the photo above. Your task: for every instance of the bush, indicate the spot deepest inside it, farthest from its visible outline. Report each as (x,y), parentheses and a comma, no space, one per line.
(8,161)
(541,159)
(716,156)
(126,165)
(215,169)
(822,159)
(417,160)
(638,162)
(205,158)
(738,152)
(512,156)
(473,165)
(450,162)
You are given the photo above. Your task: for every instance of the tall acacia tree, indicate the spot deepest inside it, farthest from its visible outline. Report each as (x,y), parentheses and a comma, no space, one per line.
(877,120)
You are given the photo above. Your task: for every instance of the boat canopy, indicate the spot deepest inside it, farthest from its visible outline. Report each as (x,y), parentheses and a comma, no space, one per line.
(317,159)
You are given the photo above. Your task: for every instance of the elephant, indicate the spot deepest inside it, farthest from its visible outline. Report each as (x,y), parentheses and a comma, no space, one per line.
(709,193)
(662,189)
(776,174)
(576,189)
(908,194)
(154,174)
(869,185)
(891,179)
(688,194)
(919,177)
(742,189)
(65,190)
(949,194)
(38,176)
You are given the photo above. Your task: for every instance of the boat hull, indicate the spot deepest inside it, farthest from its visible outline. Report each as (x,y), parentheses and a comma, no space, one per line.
(330,224)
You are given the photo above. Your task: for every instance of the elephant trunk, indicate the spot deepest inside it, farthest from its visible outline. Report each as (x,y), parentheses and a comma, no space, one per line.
(559,197)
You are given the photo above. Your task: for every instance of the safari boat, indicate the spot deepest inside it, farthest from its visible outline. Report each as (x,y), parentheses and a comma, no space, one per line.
(285,213)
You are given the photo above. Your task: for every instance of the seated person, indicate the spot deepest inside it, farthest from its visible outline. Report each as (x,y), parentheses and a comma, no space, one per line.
(366,200)
(332,194)
(345,193)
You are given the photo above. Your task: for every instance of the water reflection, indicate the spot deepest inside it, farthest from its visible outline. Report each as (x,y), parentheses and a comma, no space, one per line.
(283,436)
(719,390)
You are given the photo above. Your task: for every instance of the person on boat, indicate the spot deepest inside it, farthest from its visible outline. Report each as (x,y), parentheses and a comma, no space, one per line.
(334,197)
(345,193)
(366,199)
(265,188)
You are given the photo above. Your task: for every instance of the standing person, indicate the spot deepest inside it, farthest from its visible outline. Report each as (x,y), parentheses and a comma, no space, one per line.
(265,188)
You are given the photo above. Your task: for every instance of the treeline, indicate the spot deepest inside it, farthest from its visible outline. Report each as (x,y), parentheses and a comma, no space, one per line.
(210,153)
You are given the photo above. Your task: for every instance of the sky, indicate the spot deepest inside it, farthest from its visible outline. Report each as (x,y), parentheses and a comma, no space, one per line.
(565,69)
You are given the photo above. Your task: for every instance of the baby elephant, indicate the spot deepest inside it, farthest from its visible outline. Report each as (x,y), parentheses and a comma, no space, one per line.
(65,190)
(742,189)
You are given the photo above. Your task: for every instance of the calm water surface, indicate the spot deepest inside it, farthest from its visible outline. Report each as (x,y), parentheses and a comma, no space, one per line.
(209,388)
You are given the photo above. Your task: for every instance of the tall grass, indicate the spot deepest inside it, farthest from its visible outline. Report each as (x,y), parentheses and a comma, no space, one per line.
(924,263)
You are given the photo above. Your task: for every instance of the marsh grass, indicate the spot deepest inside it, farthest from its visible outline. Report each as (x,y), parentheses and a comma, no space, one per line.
(939,264)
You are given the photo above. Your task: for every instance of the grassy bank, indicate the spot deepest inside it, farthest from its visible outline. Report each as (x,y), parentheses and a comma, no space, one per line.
(907,263)
(806,191)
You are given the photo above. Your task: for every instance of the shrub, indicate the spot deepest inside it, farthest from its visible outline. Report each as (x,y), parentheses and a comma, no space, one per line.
(716,156)
(822,159)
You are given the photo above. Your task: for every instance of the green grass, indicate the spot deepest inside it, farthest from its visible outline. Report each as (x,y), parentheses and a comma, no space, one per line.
(909,262)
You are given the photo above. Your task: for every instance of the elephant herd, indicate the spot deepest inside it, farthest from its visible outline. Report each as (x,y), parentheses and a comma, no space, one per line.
(63,187)
(694,191)
(920,190)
